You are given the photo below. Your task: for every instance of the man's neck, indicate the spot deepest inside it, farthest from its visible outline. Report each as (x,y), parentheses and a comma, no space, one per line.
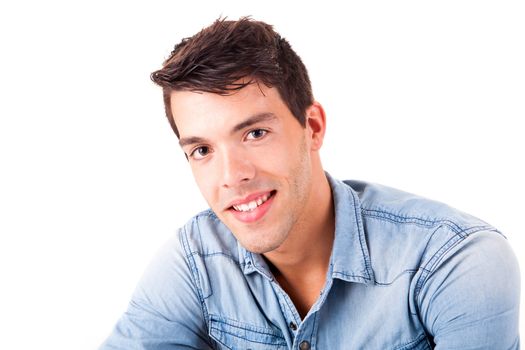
(301,263)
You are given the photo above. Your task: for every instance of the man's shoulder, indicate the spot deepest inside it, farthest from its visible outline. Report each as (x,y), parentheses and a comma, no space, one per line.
(407,232)
(388,204)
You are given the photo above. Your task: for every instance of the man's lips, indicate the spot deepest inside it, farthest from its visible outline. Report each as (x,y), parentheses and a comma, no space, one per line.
(253,199)
(253,207)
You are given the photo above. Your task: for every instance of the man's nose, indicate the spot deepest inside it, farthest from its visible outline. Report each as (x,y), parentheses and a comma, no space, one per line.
(237,168)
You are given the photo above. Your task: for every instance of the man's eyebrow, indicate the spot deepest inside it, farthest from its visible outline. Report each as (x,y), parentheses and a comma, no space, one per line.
(185,141)
(257,118)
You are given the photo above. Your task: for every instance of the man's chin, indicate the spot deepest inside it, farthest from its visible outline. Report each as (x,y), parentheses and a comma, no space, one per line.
(253,238)
(259,247)
(259,250)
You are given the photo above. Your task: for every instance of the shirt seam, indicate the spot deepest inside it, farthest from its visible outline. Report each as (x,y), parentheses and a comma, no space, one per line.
(313,336)
(194,274)
(460,233)
(291,306)
(381,214)
(271,335)
(434,262)
(246,327)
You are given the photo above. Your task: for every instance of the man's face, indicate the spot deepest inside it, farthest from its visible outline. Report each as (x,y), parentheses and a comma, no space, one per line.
(251,160)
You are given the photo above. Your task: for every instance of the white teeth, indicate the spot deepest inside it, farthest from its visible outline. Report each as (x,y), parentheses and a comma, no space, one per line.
(251,205)
(245,207)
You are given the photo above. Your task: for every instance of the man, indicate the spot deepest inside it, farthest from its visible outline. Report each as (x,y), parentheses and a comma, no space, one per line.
(289,257)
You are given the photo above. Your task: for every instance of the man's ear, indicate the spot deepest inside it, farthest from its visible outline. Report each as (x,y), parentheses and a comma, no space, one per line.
(316,125)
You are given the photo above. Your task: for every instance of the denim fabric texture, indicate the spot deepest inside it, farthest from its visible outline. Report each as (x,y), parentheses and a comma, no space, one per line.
(405,273)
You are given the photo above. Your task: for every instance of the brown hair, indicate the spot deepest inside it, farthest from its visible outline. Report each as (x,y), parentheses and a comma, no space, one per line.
(219,56)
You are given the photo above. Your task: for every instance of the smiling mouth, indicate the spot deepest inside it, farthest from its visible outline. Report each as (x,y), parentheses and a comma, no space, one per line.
(253,204)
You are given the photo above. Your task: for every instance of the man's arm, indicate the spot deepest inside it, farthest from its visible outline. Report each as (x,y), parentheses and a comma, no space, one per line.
(165,311)
(471,301)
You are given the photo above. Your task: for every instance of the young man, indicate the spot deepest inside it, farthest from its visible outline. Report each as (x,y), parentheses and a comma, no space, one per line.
(289,257)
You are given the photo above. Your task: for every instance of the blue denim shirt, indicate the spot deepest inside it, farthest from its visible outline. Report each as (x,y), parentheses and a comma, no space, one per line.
(405,273)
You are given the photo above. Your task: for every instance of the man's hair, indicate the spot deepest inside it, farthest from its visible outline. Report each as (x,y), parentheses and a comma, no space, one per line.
(229,55)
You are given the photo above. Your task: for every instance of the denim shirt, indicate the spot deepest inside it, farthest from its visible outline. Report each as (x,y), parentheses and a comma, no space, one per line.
(405,273)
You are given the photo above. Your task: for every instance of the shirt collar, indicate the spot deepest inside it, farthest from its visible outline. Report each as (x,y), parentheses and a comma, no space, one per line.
(350,260)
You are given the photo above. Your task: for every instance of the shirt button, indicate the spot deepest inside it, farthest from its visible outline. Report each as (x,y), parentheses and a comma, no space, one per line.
(304,345)
(293,326)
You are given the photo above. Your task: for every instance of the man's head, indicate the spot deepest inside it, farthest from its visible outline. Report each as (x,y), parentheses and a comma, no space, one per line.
(239,100)
(219,57)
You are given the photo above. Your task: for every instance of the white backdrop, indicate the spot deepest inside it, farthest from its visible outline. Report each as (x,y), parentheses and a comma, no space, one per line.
(426,97)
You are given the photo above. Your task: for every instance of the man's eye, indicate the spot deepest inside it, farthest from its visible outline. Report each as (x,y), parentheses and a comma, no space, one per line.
(200,152)
(256,134)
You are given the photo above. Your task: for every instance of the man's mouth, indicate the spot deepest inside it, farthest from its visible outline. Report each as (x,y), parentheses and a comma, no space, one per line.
(252,208)
(253,204)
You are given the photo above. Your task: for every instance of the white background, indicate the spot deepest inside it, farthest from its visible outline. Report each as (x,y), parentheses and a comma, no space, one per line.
(424,96)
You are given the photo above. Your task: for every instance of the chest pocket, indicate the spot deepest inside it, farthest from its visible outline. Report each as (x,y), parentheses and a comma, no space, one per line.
(236,335)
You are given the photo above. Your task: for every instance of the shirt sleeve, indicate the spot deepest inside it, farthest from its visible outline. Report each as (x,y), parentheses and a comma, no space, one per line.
(165,311)
(471,300)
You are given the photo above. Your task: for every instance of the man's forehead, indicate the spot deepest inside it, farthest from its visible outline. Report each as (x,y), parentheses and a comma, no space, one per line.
(194,111)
